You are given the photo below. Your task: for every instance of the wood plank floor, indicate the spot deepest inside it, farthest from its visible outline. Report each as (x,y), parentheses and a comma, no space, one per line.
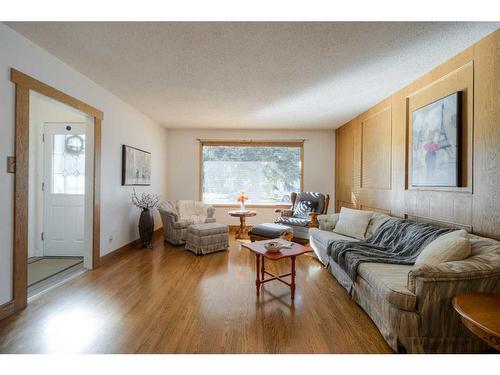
(167,300)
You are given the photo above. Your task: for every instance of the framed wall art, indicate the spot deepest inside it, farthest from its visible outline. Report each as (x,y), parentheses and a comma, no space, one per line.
(436,143)
(136,166)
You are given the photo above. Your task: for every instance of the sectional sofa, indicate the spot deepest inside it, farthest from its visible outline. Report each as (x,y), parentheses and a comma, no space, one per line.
(411,305)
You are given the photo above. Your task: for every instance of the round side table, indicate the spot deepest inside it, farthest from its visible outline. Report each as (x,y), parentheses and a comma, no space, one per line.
(480,313)
(242,232)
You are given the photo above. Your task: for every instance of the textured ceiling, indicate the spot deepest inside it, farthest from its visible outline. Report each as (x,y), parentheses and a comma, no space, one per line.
(253,75)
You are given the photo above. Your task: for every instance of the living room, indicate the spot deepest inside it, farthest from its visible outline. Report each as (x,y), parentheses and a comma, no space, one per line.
(250,187)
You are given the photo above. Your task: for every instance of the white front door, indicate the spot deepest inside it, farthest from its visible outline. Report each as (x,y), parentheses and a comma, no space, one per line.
(64,189)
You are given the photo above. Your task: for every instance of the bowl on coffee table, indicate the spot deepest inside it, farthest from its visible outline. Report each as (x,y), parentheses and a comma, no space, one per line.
(275,246)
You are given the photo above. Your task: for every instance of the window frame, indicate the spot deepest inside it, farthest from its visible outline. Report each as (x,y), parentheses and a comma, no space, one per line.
(275,143)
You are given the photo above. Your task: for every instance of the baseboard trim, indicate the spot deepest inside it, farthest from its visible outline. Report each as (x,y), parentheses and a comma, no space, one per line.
(7,309)
(131,245)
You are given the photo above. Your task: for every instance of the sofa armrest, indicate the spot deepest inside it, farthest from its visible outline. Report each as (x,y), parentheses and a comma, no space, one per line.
(328,222)
(459,272)
(436,286)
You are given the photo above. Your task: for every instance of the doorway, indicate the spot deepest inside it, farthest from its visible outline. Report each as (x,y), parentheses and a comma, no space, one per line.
(60,160)
(25,84)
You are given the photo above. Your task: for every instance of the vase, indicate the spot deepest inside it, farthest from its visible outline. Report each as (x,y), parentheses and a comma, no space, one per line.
(146,228)
(242,206)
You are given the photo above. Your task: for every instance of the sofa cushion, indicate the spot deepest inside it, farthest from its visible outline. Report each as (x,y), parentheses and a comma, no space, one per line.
(353,223)
(390,282)
(292,221)
(324,238)
(328,222)
(449,247)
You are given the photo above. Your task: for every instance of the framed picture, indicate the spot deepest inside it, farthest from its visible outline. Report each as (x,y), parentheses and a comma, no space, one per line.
(436,143)
(136,166)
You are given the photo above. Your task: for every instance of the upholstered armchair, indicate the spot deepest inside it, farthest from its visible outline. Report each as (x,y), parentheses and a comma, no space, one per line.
(303,214)
(177,220)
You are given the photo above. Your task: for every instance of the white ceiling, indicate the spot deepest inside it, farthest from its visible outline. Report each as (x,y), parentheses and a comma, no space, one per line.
(253,75)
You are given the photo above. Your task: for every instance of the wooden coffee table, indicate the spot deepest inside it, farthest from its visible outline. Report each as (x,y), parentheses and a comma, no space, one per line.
(242,232)
(261,254)
(480,313)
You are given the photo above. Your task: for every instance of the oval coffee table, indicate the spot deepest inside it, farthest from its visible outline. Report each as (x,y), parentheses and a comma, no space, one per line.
(242,233)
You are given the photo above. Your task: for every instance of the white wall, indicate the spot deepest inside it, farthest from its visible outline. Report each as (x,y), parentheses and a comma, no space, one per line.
(122,125)
(183,160)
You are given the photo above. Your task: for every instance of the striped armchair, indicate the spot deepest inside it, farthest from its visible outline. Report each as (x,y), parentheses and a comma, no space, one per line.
(174,228)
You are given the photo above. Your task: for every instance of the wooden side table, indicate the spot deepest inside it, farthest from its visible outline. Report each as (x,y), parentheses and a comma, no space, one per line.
(480,313)
(242,232)
(261,253)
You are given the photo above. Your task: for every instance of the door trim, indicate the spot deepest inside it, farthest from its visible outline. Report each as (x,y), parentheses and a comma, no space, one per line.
(23,85)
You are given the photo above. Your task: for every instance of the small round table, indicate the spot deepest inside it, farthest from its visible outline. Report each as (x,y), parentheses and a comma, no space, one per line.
(242,232)
(480,313)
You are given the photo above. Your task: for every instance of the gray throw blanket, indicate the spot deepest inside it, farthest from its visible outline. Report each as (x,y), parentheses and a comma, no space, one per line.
(397,241)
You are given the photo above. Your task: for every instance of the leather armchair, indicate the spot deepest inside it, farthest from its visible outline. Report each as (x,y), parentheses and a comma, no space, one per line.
(306,206)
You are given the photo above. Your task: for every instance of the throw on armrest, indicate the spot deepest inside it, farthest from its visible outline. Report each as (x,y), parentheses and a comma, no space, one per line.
(328,222)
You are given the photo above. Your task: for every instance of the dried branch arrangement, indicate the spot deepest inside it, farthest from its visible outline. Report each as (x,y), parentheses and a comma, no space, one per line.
(146,201)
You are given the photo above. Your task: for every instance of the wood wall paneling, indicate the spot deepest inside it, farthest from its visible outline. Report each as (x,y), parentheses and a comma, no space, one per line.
(476,204)
(486,161)
(376,151)
(364,161)
(345,168)
(376,156)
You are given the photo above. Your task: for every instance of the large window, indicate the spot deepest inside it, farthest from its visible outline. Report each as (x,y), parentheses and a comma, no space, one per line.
(266,172)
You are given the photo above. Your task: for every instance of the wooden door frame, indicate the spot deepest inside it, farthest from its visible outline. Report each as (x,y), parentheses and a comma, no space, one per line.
(24,84)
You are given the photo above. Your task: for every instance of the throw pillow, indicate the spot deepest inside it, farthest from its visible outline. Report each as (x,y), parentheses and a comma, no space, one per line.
(353,223)
(446,248)
(302,209)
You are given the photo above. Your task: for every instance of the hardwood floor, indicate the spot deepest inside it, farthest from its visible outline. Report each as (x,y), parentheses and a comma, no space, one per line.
(167,300)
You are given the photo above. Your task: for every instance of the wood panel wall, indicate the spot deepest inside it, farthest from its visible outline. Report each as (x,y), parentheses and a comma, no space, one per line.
(372,159)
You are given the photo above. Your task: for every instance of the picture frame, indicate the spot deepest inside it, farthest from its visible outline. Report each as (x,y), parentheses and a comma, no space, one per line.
(436,143)
(136,166)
